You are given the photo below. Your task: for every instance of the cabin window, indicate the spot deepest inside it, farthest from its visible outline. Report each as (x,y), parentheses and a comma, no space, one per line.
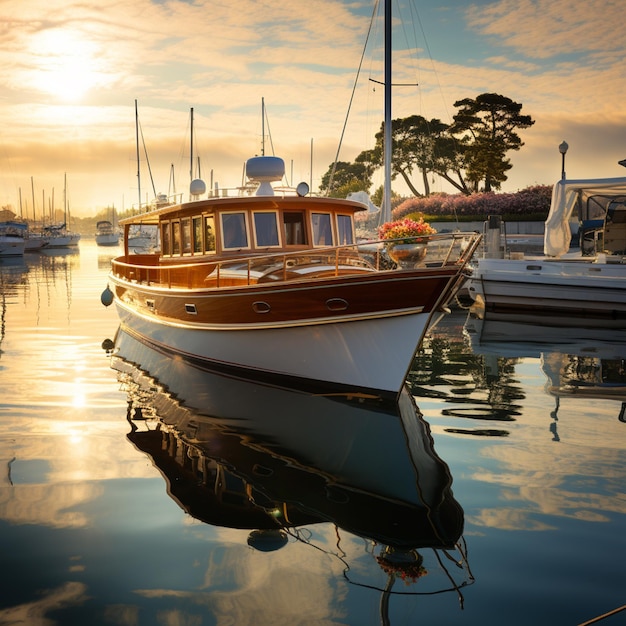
(293,224)
(196,228)
(185,232)
(234,230)
(175,237)
(209,233)
(322,229)
(166,242)
(266,229)
(344,230)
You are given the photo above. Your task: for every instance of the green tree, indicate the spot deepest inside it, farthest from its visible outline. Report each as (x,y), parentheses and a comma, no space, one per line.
(487,125)
(422,145)
(343,177)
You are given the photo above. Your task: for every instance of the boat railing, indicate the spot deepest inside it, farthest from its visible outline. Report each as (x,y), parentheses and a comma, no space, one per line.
(442,250)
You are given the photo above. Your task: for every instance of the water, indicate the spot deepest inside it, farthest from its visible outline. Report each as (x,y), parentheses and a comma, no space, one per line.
(169,495)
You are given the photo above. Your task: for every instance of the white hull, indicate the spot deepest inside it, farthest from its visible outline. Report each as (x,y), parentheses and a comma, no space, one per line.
(577,287)
(34,243)
(63,241)
(12,247)
(372,354)
(111,239)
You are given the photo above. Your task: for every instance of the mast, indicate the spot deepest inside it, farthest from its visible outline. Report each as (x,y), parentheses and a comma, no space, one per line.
(32,187)
(191,157)
(262,126)
(385,213)
(137,148)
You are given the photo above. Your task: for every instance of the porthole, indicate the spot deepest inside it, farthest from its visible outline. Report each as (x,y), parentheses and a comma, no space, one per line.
(336,304)
(261,307)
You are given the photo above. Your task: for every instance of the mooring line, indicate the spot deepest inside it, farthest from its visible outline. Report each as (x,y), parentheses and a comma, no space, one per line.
(600,617)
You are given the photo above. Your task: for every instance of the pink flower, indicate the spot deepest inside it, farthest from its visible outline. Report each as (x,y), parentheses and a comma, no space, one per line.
(406,230)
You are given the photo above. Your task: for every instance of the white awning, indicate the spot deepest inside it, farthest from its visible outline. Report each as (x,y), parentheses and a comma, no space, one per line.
(564,198)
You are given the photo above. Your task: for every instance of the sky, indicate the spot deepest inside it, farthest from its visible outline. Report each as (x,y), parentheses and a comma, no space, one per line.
(72,70)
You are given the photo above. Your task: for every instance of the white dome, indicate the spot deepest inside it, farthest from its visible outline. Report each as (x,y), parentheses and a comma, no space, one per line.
(197,187)
(265,168)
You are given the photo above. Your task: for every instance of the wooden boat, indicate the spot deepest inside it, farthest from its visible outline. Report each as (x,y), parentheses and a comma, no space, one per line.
(585,283)
(276,285)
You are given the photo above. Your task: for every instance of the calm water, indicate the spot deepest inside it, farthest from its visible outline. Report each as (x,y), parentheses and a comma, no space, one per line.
(136,489)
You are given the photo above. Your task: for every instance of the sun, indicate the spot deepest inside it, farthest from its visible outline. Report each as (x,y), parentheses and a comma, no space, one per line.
(67,66)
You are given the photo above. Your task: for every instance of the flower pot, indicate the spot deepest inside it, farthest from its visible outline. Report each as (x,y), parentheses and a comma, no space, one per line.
(407,254)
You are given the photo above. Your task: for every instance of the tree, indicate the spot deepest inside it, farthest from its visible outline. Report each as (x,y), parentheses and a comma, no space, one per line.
(343,177)
(416,144)
(487,124)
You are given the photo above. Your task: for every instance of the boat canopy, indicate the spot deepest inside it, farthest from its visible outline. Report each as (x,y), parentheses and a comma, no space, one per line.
(566,195)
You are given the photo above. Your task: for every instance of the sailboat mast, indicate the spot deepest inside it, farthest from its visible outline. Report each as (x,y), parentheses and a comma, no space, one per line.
(386,206)
(191,156)
(32,188)
(137,148)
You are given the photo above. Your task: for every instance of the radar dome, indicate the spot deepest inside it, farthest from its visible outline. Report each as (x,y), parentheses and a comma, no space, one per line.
(197,187)
(265,170)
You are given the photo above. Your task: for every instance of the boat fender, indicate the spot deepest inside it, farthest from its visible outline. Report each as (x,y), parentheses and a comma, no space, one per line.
(106,297)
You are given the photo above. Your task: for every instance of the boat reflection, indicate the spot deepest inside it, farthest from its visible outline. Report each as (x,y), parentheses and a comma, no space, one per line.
(585,363)
(13,275)
(250,456)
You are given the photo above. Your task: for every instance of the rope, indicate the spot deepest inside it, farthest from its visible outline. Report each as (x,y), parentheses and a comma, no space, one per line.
(601,617)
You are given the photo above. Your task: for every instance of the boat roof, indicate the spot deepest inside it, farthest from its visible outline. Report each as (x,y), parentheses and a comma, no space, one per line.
(565,196)
(246,203)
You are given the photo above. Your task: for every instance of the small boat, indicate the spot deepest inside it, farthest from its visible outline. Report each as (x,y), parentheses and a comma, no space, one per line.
(585,282)
(12,238)
(59,237)
(141,240)
(106,234)
(57,234)
(35,241)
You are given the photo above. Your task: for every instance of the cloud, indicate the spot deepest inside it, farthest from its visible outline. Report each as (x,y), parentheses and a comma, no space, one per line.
(544,28)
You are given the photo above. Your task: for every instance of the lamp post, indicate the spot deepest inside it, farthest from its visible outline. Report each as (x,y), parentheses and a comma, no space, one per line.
(563,149)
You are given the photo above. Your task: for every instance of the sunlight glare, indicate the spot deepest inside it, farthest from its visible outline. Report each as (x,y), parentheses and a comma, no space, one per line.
(68,66)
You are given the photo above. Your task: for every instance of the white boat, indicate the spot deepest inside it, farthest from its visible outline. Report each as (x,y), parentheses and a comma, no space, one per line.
(588,283)
(141,240)
(271,285)
(35,241)
(106,234)
(12,238)
(59,237)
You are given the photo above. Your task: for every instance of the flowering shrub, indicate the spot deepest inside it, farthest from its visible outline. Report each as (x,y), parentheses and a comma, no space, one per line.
(406,230)
(530,201)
